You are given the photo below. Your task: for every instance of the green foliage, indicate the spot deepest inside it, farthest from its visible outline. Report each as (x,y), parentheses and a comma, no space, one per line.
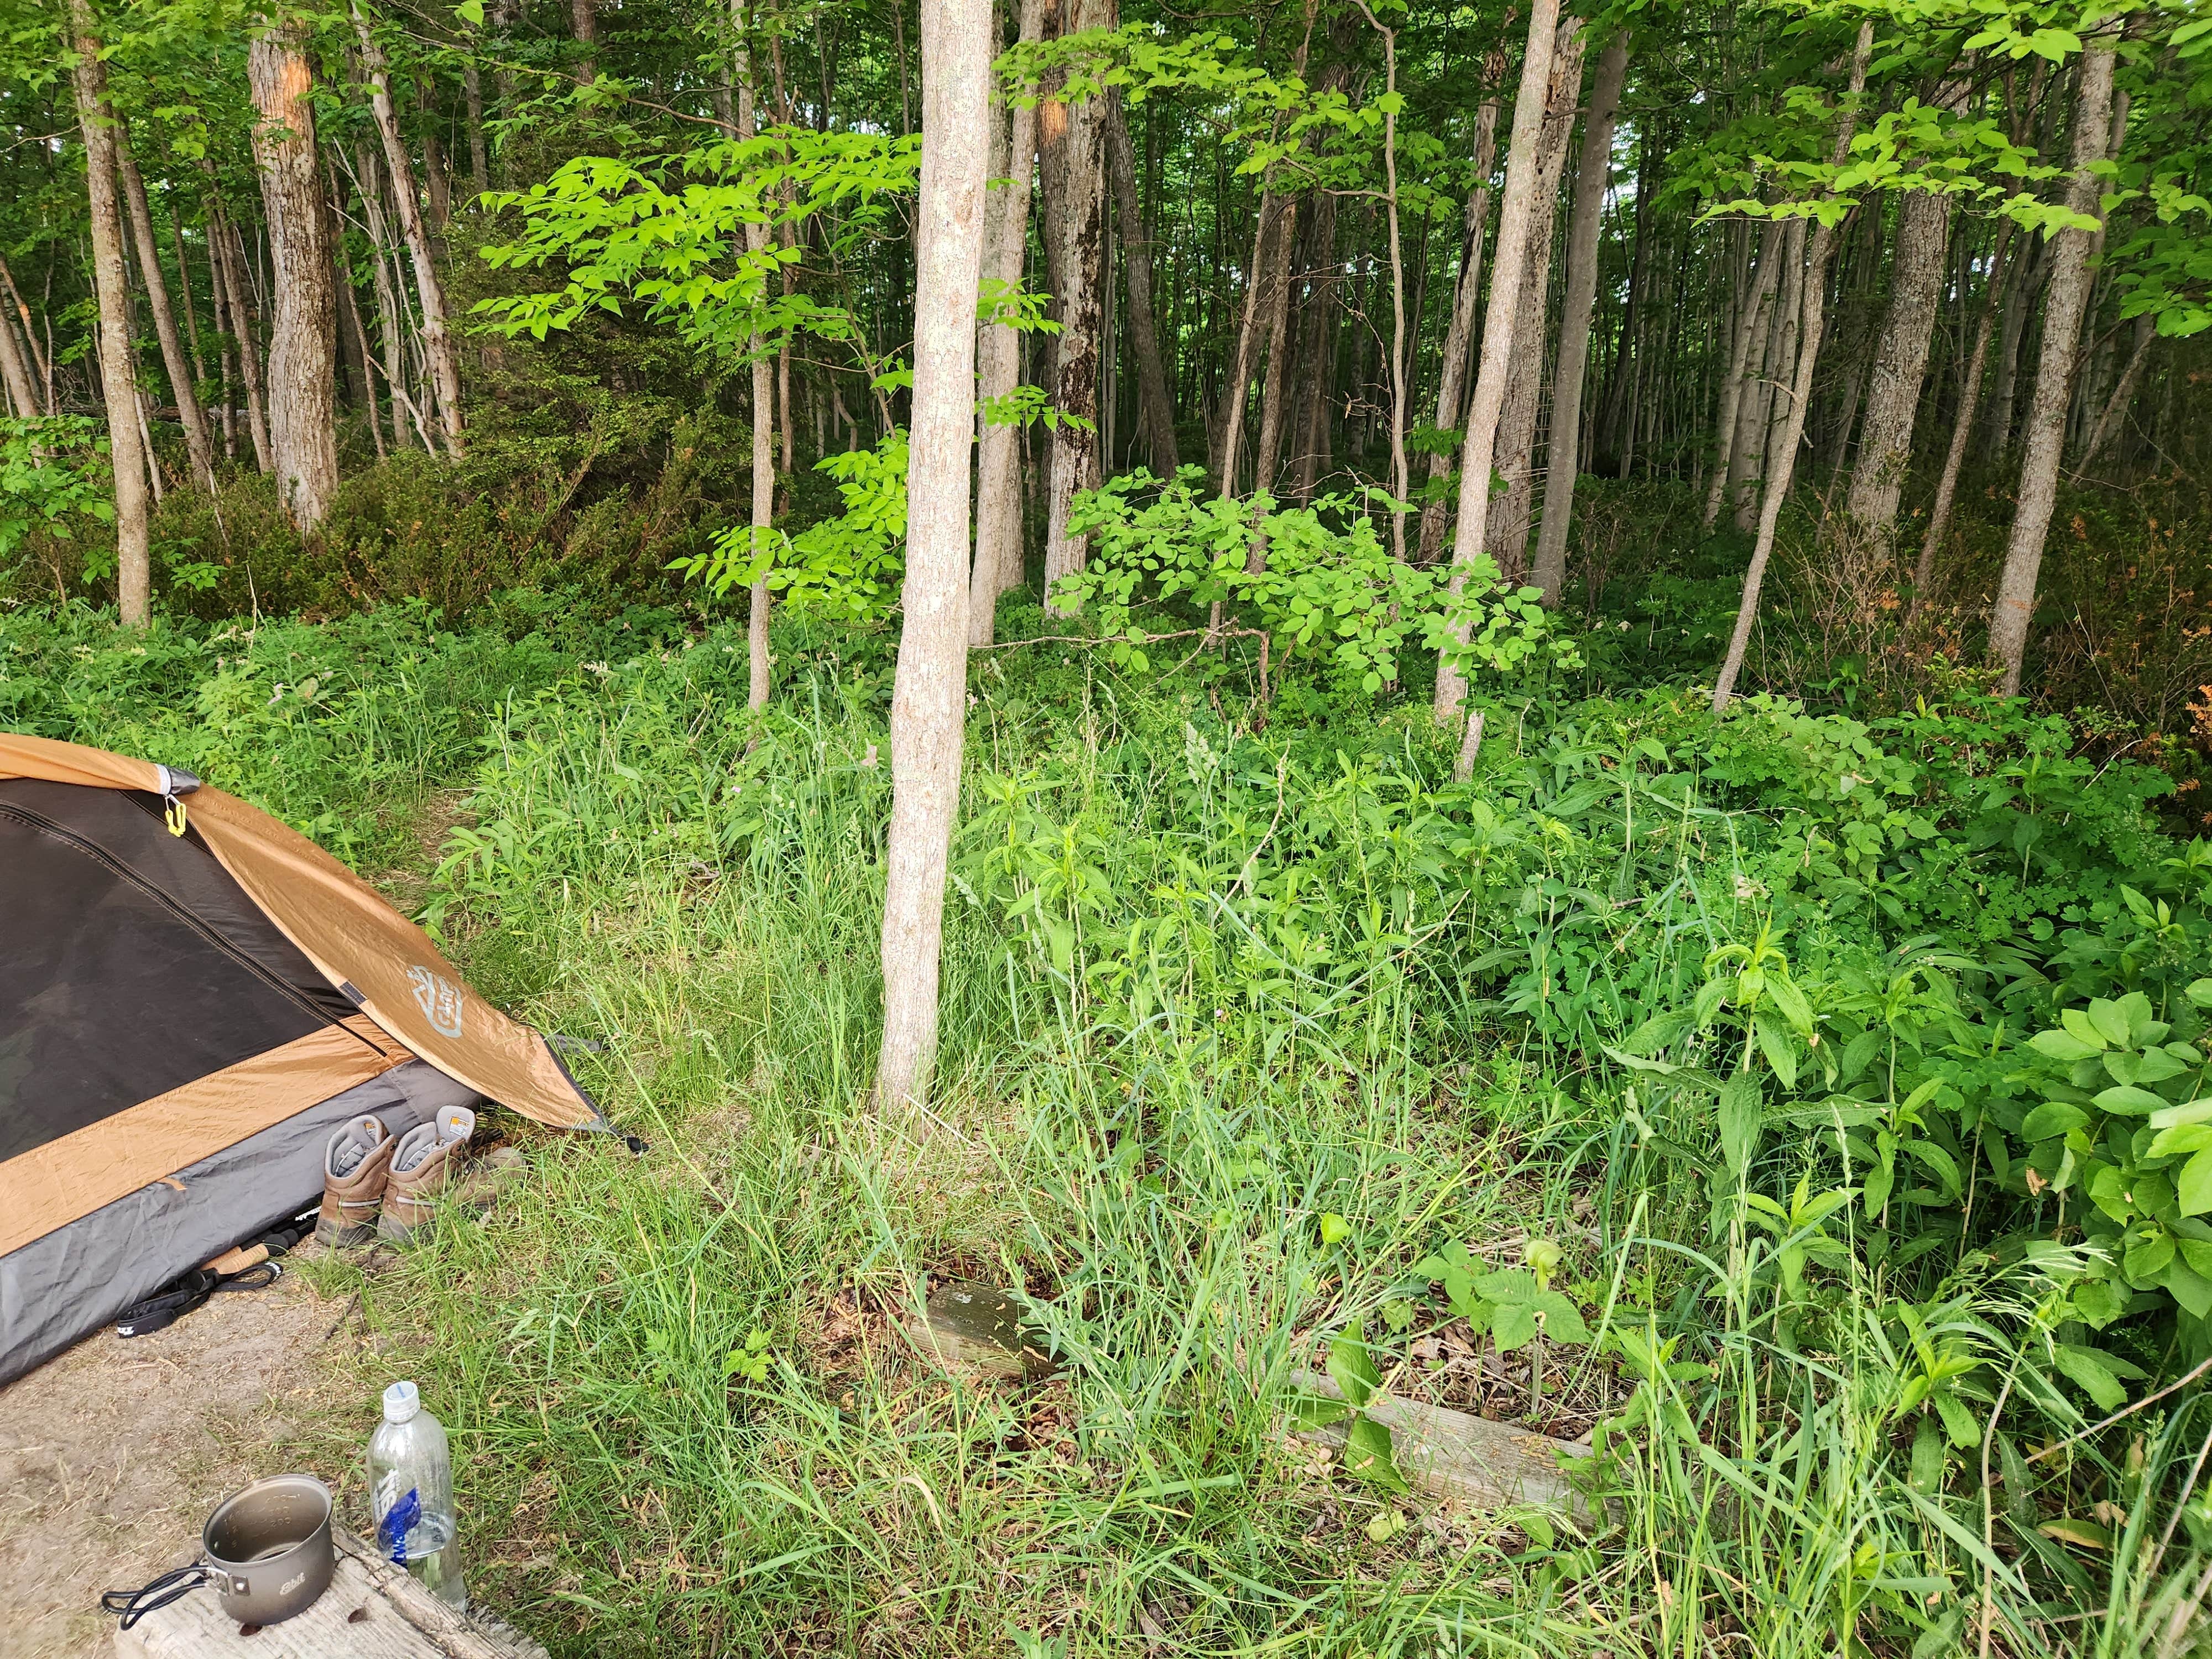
(49,474)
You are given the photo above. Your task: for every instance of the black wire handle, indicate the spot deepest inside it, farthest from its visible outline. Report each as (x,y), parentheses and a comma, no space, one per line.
(135,1604)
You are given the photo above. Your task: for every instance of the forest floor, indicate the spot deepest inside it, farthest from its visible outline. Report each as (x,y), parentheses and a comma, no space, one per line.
(113,1454)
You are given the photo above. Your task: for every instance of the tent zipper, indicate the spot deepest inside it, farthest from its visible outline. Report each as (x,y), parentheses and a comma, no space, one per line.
(123,872)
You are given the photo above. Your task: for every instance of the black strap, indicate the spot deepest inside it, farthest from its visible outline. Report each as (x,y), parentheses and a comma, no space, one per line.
(189,1290)
(135,1604)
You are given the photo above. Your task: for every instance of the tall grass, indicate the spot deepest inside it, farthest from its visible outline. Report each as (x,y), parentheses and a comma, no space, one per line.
(1236,1031)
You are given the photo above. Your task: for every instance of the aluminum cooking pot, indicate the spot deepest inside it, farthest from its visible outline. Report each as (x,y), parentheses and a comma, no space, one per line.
(266,1550)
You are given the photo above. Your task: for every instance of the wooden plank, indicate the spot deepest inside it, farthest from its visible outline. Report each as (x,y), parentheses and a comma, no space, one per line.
(984,1328)
(373,1610)
(1453,1455)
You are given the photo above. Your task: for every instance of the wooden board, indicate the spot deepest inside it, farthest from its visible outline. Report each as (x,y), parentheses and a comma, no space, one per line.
(373,1610)
(1453,1455)
(978,1326)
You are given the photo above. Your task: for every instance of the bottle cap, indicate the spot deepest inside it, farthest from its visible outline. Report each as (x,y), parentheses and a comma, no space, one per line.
(401,1402)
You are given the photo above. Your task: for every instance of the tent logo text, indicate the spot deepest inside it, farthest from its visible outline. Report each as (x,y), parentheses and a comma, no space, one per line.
(438,998)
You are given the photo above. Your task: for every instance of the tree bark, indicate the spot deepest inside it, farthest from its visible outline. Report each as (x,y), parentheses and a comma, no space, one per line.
(223,234)
(1563,452)
(1781,462)
(998,464)
(1511,513)
(1743,365)
(1136,276)
(198,448)
(126,452)
(2054,372)
(929,699)
(1451,378)
(1900,362)
(584,21)
(15,371)
(2108,421)
(302,339)
(1083,227)
(759,668)
(1318,353)
(429,293)
(1515,210)
(1962,423)
(1237,388)
(220,304)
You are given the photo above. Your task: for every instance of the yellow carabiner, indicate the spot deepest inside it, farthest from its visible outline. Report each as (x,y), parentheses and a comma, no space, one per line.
(173,814)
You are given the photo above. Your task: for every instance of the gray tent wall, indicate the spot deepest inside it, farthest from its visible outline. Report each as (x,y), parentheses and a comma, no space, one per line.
(78,1277)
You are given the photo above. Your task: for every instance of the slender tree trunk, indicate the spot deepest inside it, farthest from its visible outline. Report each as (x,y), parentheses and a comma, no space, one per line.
(1136,276)
(41,364)
(1743,367)
(2108,421)
(1319,315)
(185,292)
(1467,290)
(1962,423)
(1900,362)
(1515,210)
(929,699)
(999,463)
(218,300)
(429,293)
(2020,307)
(126,451)
(390,325)
(1511,513)
(759,675)
(15,373)
(198,446)
(1564,450)
(584,22)
(303,344)
(472,96)
(2054,372)
(1274,324)
(1627,364)
(240,294)
(1782,459)
(1074,447)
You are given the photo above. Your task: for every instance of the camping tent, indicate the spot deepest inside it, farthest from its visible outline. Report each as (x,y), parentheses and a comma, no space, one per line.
(193,996)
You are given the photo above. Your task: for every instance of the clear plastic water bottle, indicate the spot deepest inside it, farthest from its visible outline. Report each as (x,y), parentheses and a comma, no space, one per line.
(410,1489)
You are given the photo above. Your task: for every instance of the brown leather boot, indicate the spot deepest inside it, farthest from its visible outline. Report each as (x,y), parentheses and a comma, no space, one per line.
(420,1166)
(357,1163)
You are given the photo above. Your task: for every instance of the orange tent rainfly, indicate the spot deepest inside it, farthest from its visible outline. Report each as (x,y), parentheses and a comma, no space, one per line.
(193,996)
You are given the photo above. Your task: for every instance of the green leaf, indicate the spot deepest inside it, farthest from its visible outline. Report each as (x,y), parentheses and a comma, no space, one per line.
(1351,1367)
(2193,1111)
(2093,1041)
(2194,1189)
(1563,1321)
(2095,1372)
(2068,1530)
(2129,1101)
(2200,993)
(1774,1043)
(1515,1326)
(1741,1120)
(2053,1117)
(2182,1138)
(2110,1020)
(2148,1258)
(2062,1046)
(1927,1458)
(1334,1229)
(470,12)
(2191,1289)
(1958,1422)
(1367,1454)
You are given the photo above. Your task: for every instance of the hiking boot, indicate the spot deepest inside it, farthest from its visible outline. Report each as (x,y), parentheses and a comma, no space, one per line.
(356,1165)
(420,1166)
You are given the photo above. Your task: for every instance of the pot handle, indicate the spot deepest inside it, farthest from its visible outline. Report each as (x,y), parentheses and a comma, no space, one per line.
(134,1605)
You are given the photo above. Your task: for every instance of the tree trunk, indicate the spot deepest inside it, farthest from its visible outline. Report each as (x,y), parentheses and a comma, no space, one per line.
(759,678)
(584,21)
(1083,228)
(15,373)
(1962,423)
(999,463)
(2020,307)
(391,322)
(1627,364)
(1781,462)
(1900,362)
(929,698)
(133,569)
(1773,364)
(2108,422)
(220,304)
(1515,212)
(198,446)
(1451,378)
(1563,451)
(224,233)
(1275,308)
(1743,365)
(1137,277)
(472,100)
(1237,388)
(302,339)
(1318,352)
(2054,372)
(437,342)
(1511,513)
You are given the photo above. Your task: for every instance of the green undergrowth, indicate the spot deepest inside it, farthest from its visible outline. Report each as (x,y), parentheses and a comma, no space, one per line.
(1797,1108)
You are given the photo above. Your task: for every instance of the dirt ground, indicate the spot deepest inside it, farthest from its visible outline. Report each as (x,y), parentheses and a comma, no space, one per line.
(113,1454)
